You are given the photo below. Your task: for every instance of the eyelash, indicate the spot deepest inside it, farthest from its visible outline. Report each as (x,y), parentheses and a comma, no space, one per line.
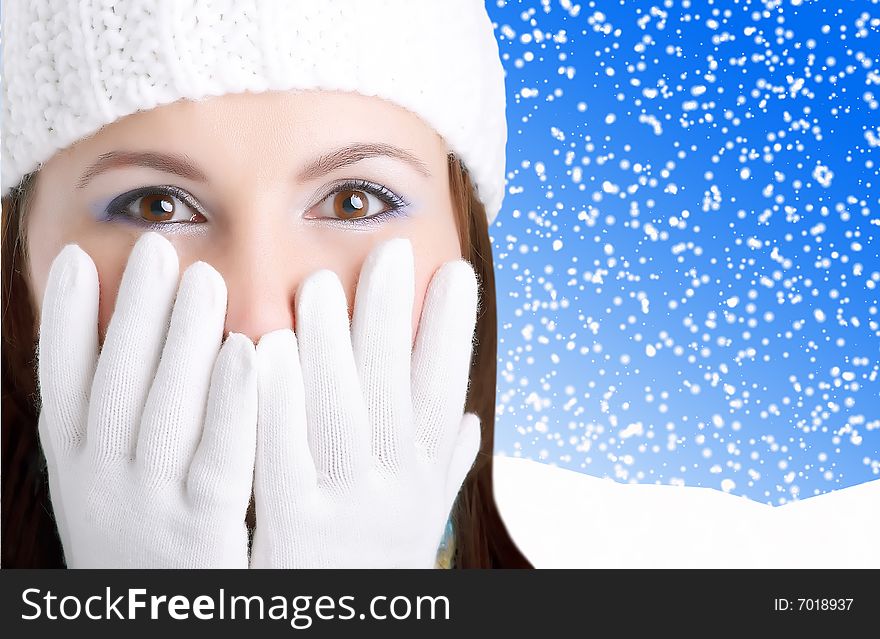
(117,208)
(391,199)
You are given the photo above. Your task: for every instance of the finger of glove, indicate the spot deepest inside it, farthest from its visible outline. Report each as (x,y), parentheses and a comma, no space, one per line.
(175,411)
(68,348)
(285,470)
(132,347)
(441,357)
(464,453)
(222,469)
(53,471)
(382,342)
(339,436)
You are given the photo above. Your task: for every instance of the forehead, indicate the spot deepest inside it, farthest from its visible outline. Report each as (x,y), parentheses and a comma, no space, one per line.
(258,131)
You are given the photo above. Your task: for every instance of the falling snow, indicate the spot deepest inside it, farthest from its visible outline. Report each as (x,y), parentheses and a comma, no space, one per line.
(687,258)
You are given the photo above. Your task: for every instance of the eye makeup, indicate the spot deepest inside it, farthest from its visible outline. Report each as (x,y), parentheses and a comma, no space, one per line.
(119,208)
(360,222)
(397,207)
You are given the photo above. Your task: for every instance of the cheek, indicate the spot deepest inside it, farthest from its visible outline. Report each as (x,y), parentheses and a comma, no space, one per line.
(430,254)
(110,279)
(110,260)
(108,253)
(424,272)
(434,242)
(421,289)
(276,281)
(111,267)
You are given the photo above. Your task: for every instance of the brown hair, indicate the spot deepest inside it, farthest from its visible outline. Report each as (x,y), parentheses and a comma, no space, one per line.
(481,538)
(29,535)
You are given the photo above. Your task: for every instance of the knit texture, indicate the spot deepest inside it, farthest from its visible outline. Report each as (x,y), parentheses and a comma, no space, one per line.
(70,68)
(362,439)
(150,443)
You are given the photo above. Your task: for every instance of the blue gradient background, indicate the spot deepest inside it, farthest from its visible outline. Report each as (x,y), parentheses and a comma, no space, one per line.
(716,237)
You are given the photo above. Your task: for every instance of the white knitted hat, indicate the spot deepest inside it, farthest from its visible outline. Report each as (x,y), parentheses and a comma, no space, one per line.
(72,66)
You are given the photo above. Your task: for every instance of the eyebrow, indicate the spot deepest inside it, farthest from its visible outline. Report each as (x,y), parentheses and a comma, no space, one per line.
(355,153)
(182,166)
(167,163)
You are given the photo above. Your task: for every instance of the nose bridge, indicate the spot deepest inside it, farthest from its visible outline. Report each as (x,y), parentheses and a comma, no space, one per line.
(261,285)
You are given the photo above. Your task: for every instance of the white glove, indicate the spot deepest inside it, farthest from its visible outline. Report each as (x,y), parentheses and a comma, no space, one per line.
(150,447)
(362,445)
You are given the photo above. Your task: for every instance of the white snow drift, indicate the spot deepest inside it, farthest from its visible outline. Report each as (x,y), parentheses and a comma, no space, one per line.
(565,519)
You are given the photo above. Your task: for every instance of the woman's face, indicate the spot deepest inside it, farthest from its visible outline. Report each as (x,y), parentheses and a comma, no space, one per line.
(267,188)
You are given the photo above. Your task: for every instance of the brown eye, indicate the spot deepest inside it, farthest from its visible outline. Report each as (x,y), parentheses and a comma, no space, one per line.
(350,204)
(157,208)
(156,205)
(358,202)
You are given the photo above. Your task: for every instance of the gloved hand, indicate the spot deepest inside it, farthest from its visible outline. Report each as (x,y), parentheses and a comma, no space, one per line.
(150,446)
(362,444)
